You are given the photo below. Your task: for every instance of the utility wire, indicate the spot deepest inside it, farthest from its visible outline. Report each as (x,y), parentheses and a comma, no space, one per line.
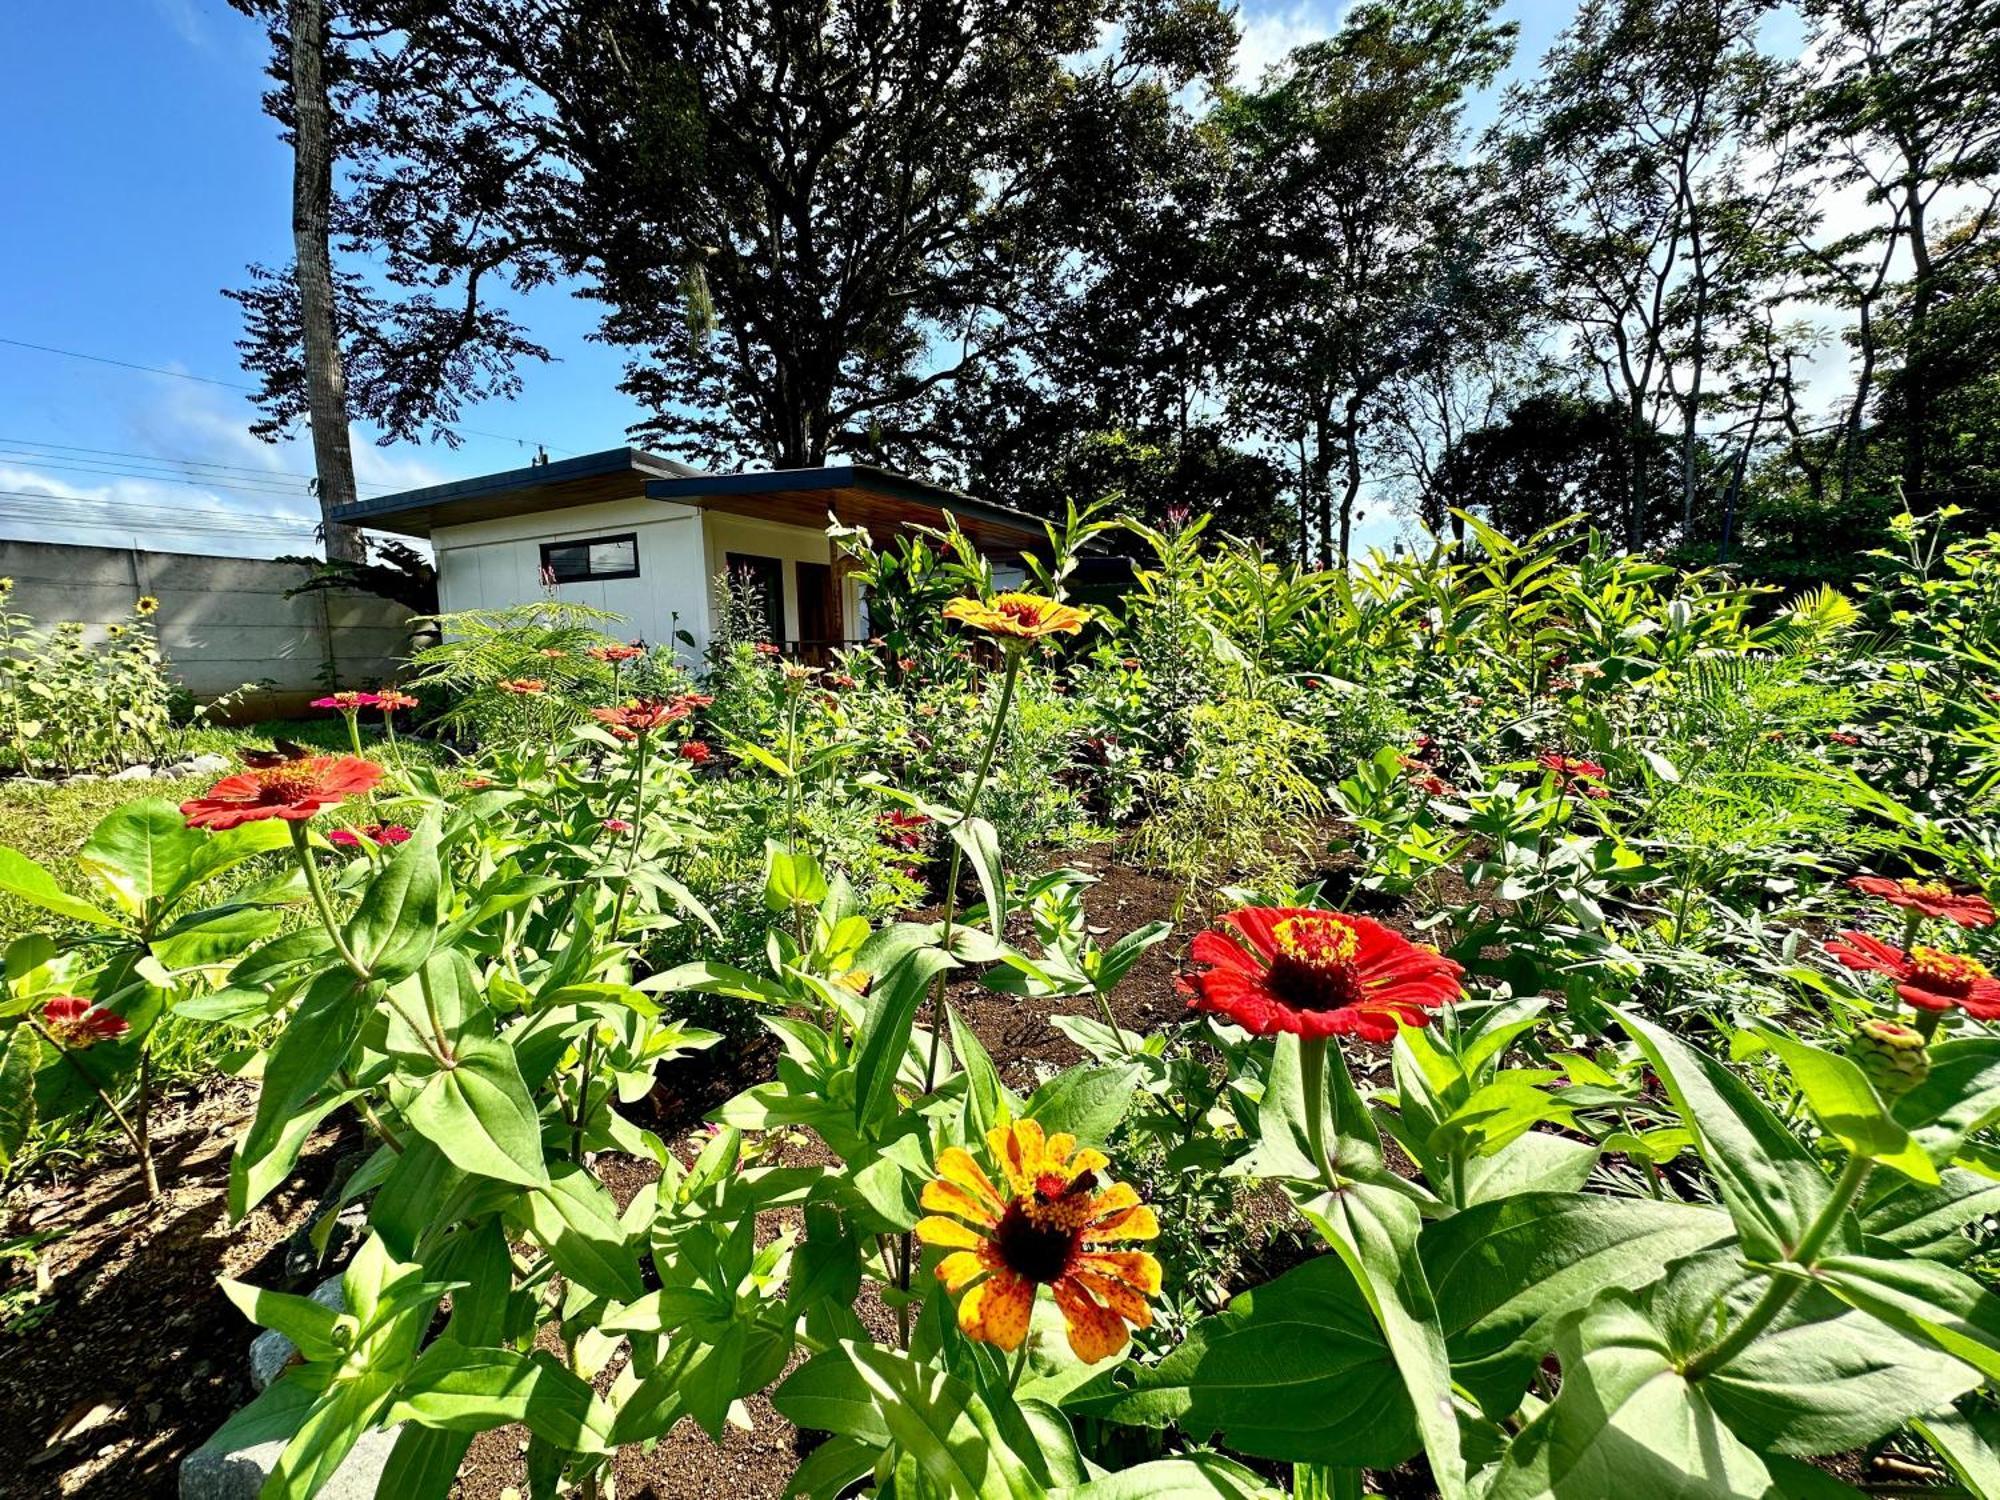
(237,487)
(232,385)
(142,513)
(154,458)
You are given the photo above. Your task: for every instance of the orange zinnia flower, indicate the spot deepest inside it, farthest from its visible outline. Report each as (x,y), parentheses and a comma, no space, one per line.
(524,686)
(645,714)
(616,653)
(1024,617)
(1048,1229)
(390,700)
(1318,974)
(1926,977)
(294,790)
(1931,897)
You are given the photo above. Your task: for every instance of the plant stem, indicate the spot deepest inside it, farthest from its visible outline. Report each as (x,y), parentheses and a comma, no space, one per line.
(118,1115)
(958,853)
(1020,1364)
(316,884)
(1778,1295)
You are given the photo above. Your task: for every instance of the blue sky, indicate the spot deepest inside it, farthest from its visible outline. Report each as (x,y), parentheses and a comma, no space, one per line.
(140,175)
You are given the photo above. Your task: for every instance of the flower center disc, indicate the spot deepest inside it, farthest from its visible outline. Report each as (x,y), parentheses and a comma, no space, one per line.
(1948,973)
(1034,1247)
(1314,966)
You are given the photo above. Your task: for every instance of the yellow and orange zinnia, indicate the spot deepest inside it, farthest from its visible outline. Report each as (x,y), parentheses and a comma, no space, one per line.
(1024,617)
(1050,1228)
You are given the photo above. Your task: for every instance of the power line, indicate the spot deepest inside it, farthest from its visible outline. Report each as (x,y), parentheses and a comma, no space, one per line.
(50,508)
(155,458)
(231,487)
(231,385)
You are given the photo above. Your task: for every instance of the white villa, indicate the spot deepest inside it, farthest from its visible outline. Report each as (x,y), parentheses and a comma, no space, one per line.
(630,531)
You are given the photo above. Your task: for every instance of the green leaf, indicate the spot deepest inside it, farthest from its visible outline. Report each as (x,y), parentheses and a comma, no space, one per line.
(1624,1423)
(1770,1182)
(791,880)
(1374,1229)
(396,925)
(22,877)
(1295,1370)
(1283,1146)
(314,1044)
(884,1038)
(574,1219)
(479,1115)
(982,846)
(1961,1095)
(1507,1272)
(265,1159)
(1090,1103)
(313,1326)
(214,937)
(1943,1307)
(1970,1443)
(987,1099)
(328,1434)
(471,1390)
(140,851)
(1914,1219)
(18,1064)
(1202,1476)
(1846,1103)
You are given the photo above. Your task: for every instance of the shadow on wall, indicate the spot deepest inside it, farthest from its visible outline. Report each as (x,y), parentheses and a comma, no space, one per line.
(223,621)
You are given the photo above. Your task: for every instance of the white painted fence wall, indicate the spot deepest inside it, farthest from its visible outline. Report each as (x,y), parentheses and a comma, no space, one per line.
(223,621)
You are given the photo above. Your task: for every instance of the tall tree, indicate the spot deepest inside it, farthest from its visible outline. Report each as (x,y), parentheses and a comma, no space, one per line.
(1633,203)
(809,222)
(1907,106)
(1354,252)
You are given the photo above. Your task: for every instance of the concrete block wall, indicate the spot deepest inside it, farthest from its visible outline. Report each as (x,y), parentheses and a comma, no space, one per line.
(223,621)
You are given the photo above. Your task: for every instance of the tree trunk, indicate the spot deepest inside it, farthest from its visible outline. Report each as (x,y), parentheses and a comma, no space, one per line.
(1351,490)
(312,198)
(1916,357)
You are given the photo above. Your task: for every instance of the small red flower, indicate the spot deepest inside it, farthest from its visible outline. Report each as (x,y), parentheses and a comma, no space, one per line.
(765,648)
(1931,897)
(906,664)
(374,833)
(616,653)
(617,825)
(74,1023)
(524,687)
(552,653)
(294,790)
(478,783)
(696,752)
(903,829)
(349,702)
(839,680)
(1926,977)
(1570,768)
(1129,664)
(1317,974)
(1843,737)
(392,700)
(642,715)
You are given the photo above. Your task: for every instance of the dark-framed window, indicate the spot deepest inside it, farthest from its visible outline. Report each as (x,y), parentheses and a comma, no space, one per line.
(592,558)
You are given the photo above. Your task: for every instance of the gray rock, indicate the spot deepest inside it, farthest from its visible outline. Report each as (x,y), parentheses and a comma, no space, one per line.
(271,1351)
(208,764)
(221,1474)
(133,773)
(349,1228)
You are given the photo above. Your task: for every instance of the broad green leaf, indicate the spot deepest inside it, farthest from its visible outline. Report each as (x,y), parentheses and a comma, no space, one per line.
(1914,1219)
(263,1160)
(395,927)
(1961,1095)
(791,880)
(214,938)
(471,1390)
(982,846)
(22,877)
(1625,1423)
(479,1115)
(19,1061)
(140,851)
(1970,1442)
(328,1434)
(1201,1476)
(1942,1306)
(1283,1146)
(1295,1370)
(1848,1106)
(315,1043)
(316,1328)
(574,1219)
(1506,1273)
(1090,1103)
(884,1037)
(1771,1183)
(1536,1163)
(987,1099)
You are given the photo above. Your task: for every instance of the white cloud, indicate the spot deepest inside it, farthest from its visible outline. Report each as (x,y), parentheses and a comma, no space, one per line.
(1269,36)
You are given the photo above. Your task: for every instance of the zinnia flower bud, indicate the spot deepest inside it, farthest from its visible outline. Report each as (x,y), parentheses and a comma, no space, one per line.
(1892,1055)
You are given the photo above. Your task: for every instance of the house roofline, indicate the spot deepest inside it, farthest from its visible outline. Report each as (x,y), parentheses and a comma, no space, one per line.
(693,487)
(507,481)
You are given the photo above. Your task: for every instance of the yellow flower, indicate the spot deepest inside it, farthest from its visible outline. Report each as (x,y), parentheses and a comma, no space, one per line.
(1026,617)
(147,605)
(1049,1229)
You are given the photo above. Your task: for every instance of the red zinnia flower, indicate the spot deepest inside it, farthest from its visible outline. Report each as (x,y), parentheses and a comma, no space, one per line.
(902,829)
(348,702)
(522,686)
(1926,977)
(1575,776)
(765,648)
(74,1023)
(696,752)
(295,790)
(1931,897)
(392,700)
(1317,974)
(839,680)
(1843,737)
(616,653)
(642,715)
(617,825)
(375,833)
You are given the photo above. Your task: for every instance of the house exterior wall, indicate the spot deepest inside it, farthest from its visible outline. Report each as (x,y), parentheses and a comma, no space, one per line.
(724,533)
(494,564)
